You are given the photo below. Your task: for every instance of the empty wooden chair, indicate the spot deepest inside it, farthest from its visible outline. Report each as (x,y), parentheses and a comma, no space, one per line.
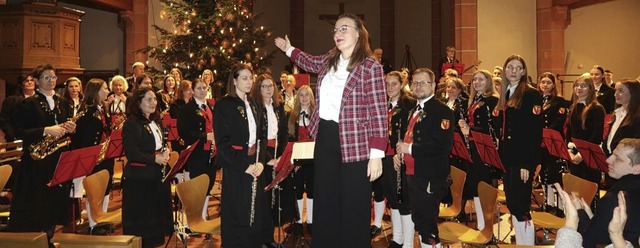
(192,194)
(95,185)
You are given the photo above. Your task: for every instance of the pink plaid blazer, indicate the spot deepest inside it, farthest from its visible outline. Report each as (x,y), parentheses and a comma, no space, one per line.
(363,114)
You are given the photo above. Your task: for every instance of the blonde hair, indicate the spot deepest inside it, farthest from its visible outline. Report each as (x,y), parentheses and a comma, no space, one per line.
(297,107)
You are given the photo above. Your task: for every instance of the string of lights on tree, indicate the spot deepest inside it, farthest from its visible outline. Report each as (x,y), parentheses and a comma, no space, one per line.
(209,34)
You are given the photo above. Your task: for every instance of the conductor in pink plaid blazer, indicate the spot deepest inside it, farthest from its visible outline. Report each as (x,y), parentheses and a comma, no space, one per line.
(349,125)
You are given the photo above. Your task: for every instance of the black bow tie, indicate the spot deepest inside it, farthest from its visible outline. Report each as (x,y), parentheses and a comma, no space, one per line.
(419,107)
(202,106)
(304,114)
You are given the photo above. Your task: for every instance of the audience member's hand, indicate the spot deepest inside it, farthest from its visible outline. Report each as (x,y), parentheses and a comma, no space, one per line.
(586,208)
(619,219)
(570,211)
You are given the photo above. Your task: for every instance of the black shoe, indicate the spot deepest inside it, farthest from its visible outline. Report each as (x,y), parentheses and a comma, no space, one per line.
(393,244)
(269,245)
(297,229)
(375,231)
(191,233)
(310,228)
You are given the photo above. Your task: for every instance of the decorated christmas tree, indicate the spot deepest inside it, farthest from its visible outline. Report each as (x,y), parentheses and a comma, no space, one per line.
(209,34)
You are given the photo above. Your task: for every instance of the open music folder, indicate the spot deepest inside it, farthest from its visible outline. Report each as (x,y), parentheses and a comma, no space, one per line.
(302,152)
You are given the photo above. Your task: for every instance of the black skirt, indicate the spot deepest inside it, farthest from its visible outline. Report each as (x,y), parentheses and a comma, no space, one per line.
(146,210)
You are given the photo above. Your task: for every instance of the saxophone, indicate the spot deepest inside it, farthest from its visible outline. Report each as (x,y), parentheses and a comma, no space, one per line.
(50,144)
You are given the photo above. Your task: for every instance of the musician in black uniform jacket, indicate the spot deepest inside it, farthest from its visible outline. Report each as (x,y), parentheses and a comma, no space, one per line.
(298,120)
(520,107)
(625,122)
(27,88)
(195,123)
(428,144)
(554,114)
(586,122)
(44,113)
(237,121)
(400,103)
(604,93)
(483,99)
(93,127)
(274,135)
(146,201)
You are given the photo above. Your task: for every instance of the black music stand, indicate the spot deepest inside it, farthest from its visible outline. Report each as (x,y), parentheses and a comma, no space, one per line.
(182,160)
(554,143)
(284,168)
(172,124)
(487,150)
(592,155)
(115,149)
(73,164)
(460,148)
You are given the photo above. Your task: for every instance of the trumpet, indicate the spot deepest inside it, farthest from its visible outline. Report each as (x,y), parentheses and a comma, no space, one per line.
(50,144)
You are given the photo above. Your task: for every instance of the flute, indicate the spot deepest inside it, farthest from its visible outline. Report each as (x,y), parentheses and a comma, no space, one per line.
(399,174)
(273,174)
(254,187)
(165,140)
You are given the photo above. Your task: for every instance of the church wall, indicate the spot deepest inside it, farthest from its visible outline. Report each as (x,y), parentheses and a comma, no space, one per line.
(413,28)
(100,39)
(507,27)
(605,34)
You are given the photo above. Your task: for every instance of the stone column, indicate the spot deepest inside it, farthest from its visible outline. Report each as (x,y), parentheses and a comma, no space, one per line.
(552,21)
(136,26)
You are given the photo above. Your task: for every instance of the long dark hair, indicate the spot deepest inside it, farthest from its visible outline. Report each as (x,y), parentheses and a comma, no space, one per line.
(554,91)
(257,87)
(233,75)
(362,49)
(91,92)
(516,98)
(133,107)
(633,109)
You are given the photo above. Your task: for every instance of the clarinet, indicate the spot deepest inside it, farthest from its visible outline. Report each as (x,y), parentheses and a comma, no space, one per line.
(399,175)
(492,132)
(254,188)
(465,136)
(165,140)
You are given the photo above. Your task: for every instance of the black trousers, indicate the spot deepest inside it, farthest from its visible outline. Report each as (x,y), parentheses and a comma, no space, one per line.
(426,207)
(342,194)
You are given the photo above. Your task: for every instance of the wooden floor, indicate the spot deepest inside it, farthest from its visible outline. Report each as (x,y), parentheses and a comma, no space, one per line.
(504,227)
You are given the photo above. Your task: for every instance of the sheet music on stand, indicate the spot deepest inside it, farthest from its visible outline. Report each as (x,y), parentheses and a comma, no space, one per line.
(554,143)
(487,150)
(592,155)
(302,152)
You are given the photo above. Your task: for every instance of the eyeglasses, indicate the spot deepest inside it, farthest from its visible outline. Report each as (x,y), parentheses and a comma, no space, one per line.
(342,29)
(49,77)
(421,83)
(270,86)
(516,69)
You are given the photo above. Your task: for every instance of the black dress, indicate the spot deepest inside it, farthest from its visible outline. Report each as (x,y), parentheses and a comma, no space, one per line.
(37,207)
(592,132)
(146,201)
(231,128)
(193,125)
